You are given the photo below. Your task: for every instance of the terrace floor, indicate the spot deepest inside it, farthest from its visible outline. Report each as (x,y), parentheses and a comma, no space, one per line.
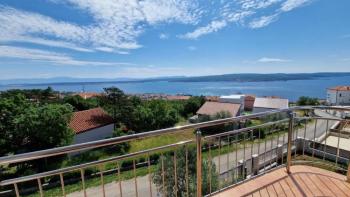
(303,181)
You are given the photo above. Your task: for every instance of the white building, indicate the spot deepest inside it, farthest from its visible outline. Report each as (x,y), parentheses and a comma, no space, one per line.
(339,95)
(234,99)
(268,104)
(90,125)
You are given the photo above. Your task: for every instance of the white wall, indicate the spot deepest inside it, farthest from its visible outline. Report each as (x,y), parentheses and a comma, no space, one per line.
(94,134)
(338,97)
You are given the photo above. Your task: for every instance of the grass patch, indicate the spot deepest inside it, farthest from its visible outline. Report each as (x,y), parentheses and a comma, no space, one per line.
(147,143)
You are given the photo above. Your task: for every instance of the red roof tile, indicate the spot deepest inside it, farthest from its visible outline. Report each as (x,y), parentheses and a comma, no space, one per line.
(340,88)
(89,119)
(212,108)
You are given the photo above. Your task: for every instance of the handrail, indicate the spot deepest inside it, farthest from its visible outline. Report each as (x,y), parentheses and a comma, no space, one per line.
(197,126)
(89,164)
(106,142)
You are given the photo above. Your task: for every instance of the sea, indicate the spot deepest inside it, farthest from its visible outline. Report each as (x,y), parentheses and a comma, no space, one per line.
(291,90)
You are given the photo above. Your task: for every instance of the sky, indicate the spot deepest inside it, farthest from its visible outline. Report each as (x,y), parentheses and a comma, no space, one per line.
(152,38)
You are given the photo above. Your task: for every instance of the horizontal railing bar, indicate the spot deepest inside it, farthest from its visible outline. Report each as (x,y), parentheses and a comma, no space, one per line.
(86,165)
(321,118)
(233,132)
(117,140)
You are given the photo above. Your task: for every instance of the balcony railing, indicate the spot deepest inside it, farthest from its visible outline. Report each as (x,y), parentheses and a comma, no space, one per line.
(246,147)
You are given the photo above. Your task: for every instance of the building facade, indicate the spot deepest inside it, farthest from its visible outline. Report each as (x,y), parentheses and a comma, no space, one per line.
(339,95)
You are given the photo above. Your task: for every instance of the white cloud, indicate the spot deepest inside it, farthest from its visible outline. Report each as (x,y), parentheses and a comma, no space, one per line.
(292,4)
(163,36)
(241,11)
(117,23)
(263,21)
(211,27)
(272,60)
(256,4)
(51,57)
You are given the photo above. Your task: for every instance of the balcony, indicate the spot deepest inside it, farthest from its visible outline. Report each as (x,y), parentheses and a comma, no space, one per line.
(297,151)
(301,181)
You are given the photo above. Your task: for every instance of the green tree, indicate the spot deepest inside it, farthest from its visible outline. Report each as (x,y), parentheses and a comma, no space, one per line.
(27,126)
(304,100)
(117,104)
(79,103)
(193,104)
(154,114)
(169,175)
(11,107)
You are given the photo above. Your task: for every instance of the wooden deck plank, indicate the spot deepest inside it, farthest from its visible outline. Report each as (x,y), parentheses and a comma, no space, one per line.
(320,185)
(340,185)
(278,189)
(264,193)
(303,181)
(293,187)
(337,191)
(304,189)
(271,190)
(286,188)
(256,194)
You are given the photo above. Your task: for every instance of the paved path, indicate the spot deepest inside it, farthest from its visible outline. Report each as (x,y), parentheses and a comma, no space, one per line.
(128,189)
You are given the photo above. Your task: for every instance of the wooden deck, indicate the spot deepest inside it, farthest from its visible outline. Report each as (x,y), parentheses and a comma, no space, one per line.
(303,181)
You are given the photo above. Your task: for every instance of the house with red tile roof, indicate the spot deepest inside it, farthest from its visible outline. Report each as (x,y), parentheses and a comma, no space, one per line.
(339,95)
(210,108)
(90,125)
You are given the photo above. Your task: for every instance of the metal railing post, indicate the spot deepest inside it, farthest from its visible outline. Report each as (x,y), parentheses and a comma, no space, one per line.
(348,174)
(199,162)
(290,135)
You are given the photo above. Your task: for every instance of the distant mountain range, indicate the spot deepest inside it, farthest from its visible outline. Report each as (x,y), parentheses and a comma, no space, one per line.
(244,77)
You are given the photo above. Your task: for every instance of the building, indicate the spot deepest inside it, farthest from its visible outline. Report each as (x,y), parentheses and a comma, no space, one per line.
(212,108)
(267,104)
(177,97)
(86,95)
(249,102)
(212,98)
(339,95)
(90,125)
(235,98)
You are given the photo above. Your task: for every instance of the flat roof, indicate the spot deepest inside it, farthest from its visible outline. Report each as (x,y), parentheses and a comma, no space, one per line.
(271,103)
(233,96)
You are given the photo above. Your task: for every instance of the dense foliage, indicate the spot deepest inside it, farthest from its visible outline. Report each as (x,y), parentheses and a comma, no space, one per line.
(27,126)
(304,100)
(154,114)
(79,103)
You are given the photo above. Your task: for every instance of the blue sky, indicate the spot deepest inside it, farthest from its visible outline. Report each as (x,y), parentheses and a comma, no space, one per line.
(149,38)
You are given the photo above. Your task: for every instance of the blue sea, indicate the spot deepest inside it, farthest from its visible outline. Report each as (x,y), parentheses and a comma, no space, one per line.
(286,89)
